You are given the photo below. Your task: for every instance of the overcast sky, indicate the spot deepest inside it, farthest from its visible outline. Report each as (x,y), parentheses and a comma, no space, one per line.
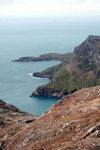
(49,8)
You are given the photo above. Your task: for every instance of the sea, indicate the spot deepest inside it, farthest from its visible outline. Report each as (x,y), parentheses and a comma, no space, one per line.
(21,37)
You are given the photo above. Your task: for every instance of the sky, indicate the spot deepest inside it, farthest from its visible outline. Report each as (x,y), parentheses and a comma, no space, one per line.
(49,8)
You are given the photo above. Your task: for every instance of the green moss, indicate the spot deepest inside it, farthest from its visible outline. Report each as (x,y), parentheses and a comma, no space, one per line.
(60,79)
(61,82)
(73,73)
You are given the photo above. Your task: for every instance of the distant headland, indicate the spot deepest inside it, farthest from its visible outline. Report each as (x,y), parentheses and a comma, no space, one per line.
(46,57)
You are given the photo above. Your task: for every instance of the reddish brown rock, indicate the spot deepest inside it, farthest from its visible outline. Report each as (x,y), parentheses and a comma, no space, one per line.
(72,123)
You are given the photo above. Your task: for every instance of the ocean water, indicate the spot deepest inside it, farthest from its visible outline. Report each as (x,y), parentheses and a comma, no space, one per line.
(33,37)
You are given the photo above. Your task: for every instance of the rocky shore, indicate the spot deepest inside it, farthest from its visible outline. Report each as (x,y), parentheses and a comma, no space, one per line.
(72,123)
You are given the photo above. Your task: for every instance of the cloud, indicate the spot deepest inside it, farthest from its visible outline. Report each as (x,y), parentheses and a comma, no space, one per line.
(48,2)
(6,2)
(30,8)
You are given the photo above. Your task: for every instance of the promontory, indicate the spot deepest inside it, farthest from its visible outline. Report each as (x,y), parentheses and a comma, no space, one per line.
(82,71)
(46,57)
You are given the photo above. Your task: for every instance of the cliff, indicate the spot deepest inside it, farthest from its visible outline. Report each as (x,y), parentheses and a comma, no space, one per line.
(80,72)
(71,123)
(88,51)
(46,57)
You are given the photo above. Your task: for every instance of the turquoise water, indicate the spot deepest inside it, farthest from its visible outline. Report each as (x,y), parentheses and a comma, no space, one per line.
(32,37)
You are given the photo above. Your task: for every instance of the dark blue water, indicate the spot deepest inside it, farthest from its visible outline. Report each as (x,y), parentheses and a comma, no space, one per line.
(32,37)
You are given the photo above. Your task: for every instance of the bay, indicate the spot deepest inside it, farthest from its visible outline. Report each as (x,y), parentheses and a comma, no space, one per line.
(33,37)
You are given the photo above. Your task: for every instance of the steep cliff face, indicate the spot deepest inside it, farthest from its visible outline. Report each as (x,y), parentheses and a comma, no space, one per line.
(83,70)
(89,50)
(71,123)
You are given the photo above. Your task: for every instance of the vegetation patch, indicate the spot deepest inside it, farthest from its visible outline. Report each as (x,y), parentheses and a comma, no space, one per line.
(73,73)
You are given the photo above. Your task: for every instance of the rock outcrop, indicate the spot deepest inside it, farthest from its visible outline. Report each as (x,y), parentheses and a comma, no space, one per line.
(82,71)
(72,123)
(89,51)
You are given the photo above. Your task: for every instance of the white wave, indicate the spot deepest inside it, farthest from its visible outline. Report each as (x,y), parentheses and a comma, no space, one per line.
(30,74)
(39,78)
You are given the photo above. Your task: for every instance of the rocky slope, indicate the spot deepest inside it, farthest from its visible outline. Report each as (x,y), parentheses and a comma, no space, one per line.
(12,120)
(46,57)
(89,51)
(73,123)
(82,71)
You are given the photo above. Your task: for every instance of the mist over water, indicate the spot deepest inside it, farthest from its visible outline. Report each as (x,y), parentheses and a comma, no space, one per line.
(33,37)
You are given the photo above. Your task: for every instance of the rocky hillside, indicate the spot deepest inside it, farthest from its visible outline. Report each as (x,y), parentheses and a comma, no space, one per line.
(82,71)
(88,51)
(73,123)
(12,120)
